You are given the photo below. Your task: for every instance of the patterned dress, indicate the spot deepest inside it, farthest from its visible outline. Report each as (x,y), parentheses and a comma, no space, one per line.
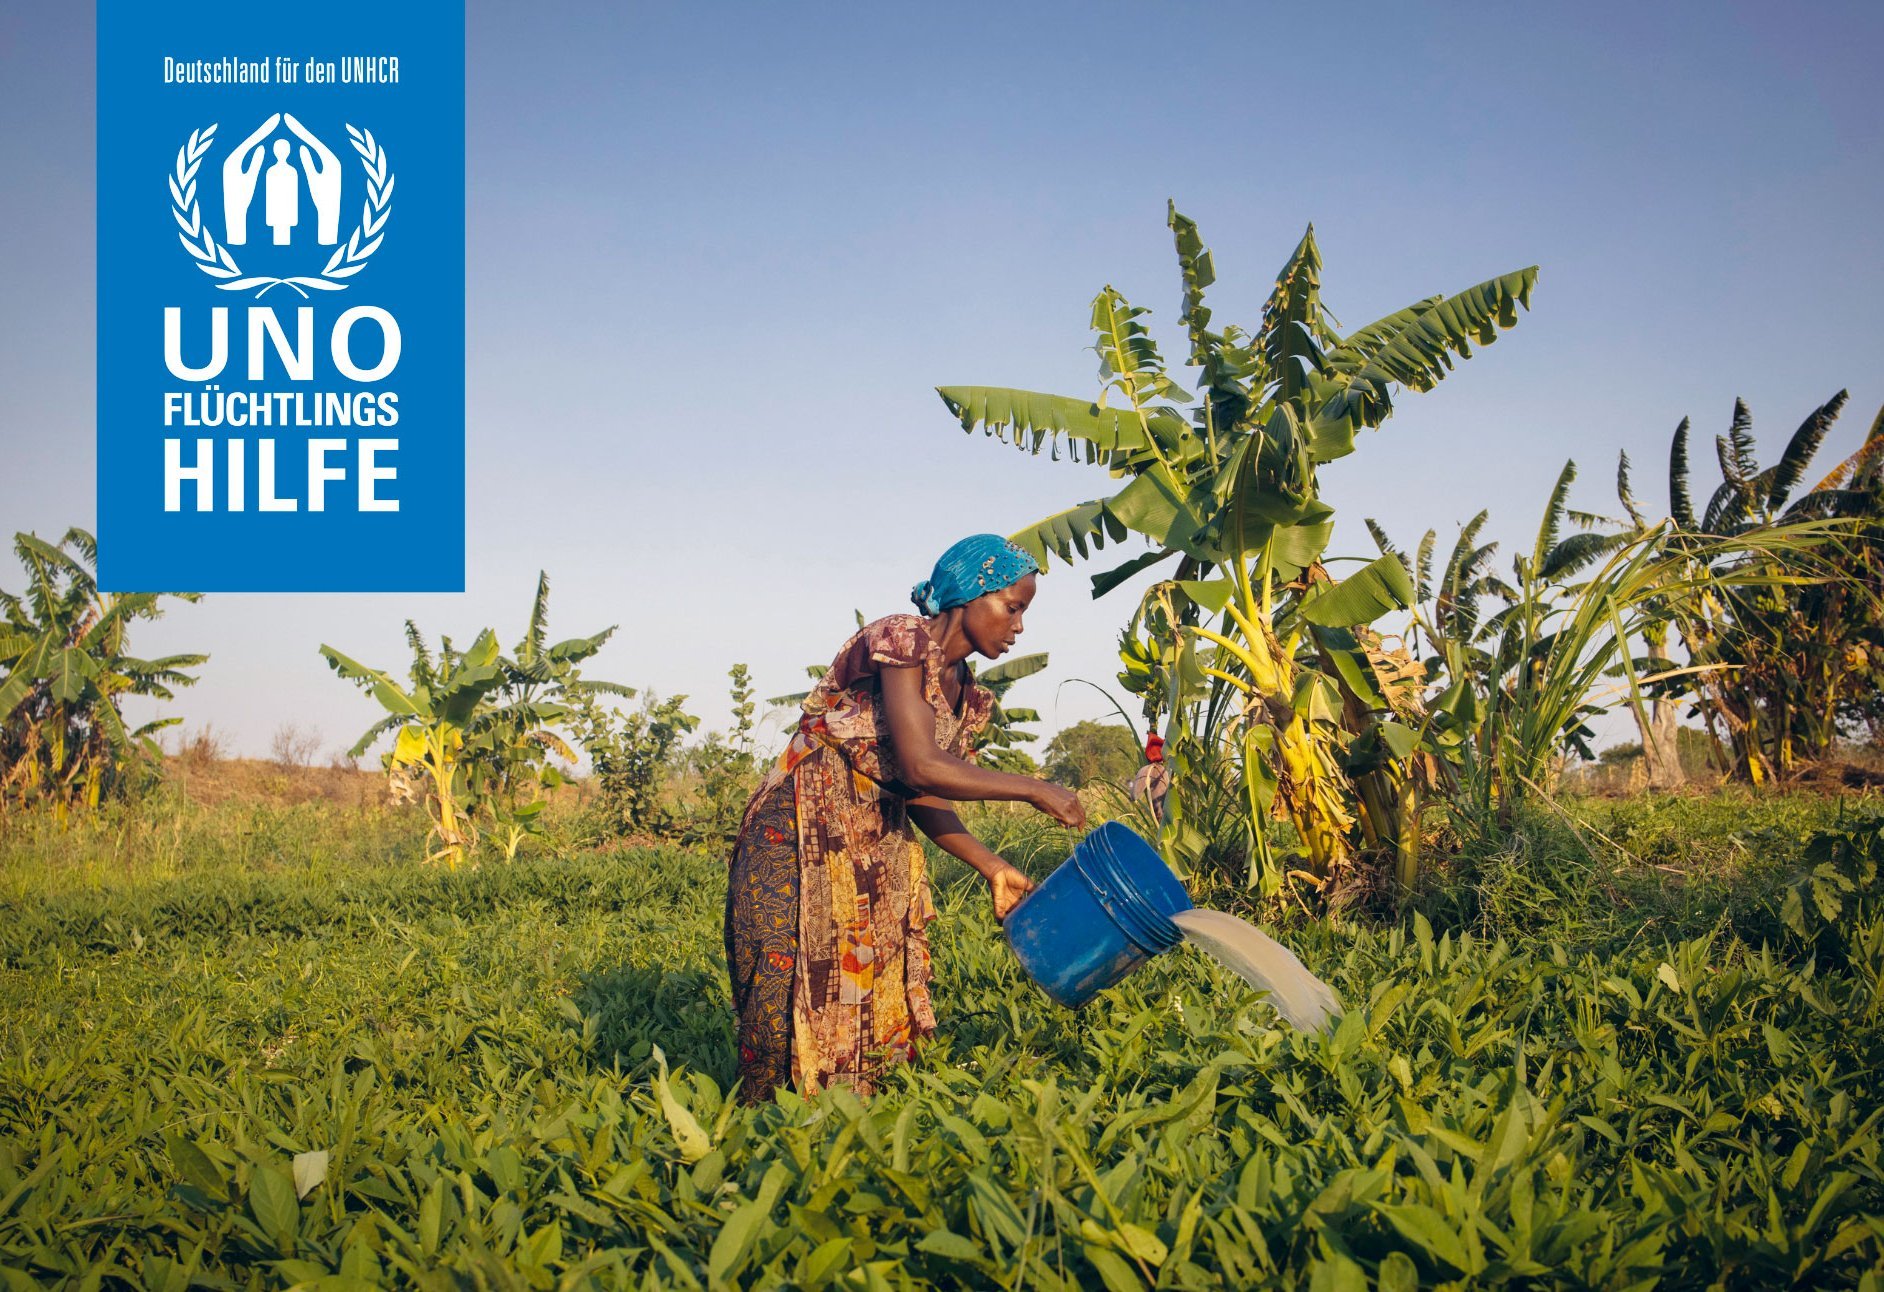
(828,898)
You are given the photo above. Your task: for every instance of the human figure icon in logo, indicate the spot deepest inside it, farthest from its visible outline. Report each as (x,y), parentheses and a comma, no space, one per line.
(240,171)
(282,197)
(322,169)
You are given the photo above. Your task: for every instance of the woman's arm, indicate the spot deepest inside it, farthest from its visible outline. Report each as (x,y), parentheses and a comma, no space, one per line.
(936,818)
(929,771)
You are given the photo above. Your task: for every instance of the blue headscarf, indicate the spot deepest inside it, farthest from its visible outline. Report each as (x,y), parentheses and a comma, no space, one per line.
(978,564)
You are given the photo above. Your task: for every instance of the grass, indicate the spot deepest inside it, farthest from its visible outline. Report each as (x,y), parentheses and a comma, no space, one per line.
(1607,873)
(253,1044)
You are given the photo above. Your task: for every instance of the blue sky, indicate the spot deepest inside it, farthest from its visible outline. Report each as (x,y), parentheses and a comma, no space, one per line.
(720,255)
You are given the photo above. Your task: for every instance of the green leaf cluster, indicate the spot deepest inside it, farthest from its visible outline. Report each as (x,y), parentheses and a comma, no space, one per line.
(475,729)
(1249,651)
(358,1072)
(64,672)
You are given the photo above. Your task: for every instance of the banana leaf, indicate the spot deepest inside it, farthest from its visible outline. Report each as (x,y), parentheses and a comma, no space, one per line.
(1378,588)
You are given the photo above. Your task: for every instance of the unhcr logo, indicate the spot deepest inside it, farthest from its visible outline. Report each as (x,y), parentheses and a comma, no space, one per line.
(246,168)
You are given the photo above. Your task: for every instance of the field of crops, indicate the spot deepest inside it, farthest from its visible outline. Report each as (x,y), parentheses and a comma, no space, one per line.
(258,1046)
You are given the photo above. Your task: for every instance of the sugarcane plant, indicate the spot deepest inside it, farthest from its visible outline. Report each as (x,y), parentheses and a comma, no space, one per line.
(64,671)
(1249,642)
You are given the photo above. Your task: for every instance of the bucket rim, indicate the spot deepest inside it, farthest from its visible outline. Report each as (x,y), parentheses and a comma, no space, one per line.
(1142,915)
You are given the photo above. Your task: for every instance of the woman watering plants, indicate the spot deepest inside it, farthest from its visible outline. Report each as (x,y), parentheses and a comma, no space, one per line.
(828,899)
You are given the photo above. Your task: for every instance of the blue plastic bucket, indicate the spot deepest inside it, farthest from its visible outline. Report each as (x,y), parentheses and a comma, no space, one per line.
(1104,912)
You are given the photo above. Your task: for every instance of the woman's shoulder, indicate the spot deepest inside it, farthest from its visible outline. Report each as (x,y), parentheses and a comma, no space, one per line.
(898,641)
(902,619)
(894,641)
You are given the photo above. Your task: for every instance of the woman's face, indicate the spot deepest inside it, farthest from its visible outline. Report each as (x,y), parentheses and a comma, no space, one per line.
(993,620)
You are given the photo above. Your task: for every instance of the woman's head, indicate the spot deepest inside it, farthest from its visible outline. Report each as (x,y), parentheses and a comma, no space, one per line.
(991,581)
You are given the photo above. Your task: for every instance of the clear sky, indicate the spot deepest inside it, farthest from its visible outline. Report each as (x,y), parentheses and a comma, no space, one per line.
(719,256)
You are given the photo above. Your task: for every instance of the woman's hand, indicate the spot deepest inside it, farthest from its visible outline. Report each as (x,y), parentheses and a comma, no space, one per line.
(1006,886)
(1061,804)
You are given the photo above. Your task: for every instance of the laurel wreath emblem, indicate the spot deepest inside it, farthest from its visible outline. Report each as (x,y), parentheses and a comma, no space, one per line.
(213,258)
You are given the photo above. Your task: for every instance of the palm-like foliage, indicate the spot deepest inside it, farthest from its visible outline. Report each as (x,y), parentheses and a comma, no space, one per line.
(477,727)
(64,672)
(997,743)
(509,746)
(1564,652)
(1511,691)
(1781,660)
(1226,494)
(1498,653)
(431,716)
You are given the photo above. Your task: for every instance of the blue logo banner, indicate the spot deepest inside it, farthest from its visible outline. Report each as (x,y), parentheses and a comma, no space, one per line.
(281,297)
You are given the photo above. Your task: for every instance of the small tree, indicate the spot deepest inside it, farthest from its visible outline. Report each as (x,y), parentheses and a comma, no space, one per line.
(743,708)
(510,744)
(727,771)
(631,753)
(1090,752)
(476,728)
(431,716)
(293,746)
(64,671)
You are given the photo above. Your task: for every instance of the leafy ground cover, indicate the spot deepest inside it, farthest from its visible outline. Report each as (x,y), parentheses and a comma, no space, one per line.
(258,1046)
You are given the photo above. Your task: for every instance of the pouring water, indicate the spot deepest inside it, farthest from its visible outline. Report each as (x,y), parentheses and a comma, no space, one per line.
(1305,1002)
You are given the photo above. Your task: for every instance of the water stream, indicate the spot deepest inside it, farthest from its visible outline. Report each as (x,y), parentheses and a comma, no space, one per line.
(1303,1000)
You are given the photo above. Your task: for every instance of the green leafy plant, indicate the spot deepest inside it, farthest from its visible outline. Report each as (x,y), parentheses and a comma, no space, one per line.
(1248,643)
(431,716)
(631,754)
(1838,893)
(522,1076)
(64,671)
(474,729)
(509,744)
(726,771)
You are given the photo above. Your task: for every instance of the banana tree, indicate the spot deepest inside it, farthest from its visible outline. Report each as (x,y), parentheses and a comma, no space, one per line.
(64,672)
(477,727)
(1247,640)
(1780,659)
(509,743)
(432,715)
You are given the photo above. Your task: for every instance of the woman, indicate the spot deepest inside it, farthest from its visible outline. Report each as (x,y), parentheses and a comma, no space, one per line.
(826,910)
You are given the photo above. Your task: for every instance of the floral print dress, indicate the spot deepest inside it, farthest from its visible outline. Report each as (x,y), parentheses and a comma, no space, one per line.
(829,896)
